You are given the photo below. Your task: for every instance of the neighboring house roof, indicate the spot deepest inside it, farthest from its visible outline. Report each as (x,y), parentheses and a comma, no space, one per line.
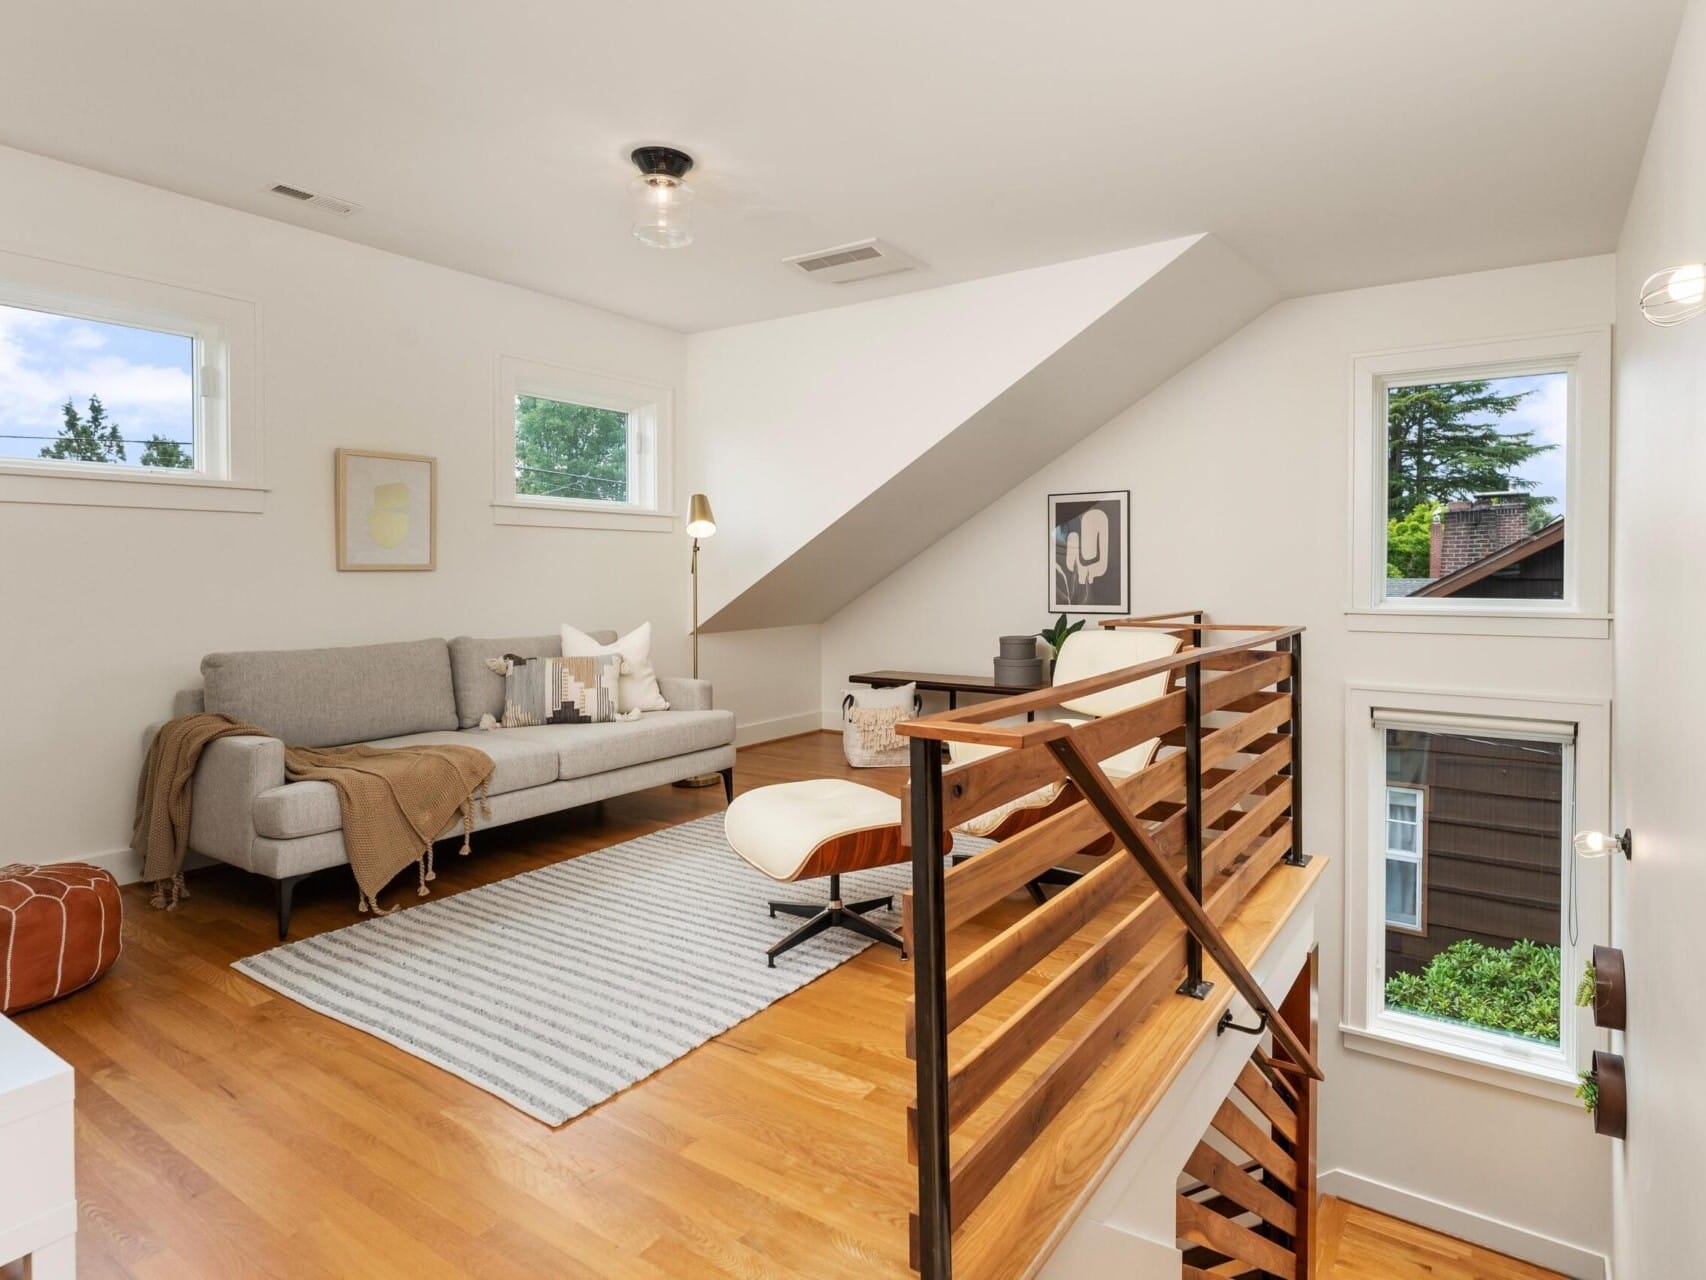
(1549,536)
(1405,586)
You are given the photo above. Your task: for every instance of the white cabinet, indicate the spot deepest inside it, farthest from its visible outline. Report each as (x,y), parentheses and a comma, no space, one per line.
(38,1197)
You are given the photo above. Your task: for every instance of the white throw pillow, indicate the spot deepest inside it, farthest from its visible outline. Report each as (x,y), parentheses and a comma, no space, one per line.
(638,689)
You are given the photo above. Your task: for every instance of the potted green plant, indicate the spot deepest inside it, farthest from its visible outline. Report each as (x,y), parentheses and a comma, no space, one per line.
(1604,1094)
(1585,989)
(1587,1091)
(1055,636)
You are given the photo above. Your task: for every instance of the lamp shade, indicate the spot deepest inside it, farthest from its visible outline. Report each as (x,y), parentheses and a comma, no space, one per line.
(700,522)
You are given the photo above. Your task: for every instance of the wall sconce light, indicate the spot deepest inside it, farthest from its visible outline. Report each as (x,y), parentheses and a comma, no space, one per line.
(1674,294)
(1597,844)
(662,201)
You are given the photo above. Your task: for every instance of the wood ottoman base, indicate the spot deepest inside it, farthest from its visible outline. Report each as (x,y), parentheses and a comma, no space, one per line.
(824,827)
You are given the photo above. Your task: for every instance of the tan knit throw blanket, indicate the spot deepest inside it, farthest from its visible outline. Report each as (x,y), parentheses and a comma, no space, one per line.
(394,801)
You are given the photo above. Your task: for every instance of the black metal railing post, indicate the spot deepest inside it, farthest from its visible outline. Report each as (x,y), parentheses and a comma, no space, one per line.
(930,989)
(1294,686)
(1193,985)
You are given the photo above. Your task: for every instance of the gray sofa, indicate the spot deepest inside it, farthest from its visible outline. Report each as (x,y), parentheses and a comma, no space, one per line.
(243,812)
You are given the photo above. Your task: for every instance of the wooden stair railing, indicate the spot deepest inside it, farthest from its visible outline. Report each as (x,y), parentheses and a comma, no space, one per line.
(1256,1215)
(1200,829)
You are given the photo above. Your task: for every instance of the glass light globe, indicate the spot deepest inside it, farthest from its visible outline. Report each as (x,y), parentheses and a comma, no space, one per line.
(662,211)
(1593,844)
(1687,284)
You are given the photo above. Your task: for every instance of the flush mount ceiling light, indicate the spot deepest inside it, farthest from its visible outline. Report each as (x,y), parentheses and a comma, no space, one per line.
(1674,294)
(662,201)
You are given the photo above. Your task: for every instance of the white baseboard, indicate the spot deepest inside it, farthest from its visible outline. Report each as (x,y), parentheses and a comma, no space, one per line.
(776,727)
(1465,1224)
(124,866)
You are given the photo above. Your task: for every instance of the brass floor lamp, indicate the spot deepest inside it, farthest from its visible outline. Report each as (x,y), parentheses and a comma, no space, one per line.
(700,524)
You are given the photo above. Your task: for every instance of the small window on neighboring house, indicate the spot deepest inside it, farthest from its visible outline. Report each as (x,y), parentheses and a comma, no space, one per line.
(1404,859)
(1482,483)
(580,449)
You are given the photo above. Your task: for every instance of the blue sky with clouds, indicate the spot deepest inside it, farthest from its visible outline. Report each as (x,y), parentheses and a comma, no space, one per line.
(1544,410)
(144,379)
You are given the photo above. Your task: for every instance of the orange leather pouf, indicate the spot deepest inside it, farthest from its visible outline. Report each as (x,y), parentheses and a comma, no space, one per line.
(59,931)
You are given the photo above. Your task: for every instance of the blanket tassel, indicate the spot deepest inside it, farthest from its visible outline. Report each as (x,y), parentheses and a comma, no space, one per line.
(168,893)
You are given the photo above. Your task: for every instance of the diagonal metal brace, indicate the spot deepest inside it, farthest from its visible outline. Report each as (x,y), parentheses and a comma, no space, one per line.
(1094,786)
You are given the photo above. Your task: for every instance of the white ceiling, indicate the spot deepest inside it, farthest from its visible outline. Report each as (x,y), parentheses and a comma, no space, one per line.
(1333,143)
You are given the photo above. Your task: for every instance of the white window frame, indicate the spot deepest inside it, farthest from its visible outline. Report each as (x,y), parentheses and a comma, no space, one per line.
(1417,859)
(650,411)
(228,452)
(1368,1026)
(1585,356)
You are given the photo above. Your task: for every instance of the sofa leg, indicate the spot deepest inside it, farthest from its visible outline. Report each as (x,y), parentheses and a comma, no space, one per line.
(286,890)
(729,782)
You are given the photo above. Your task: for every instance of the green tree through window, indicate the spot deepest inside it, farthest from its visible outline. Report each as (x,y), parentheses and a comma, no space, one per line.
(570,450)
(1443,442)
(97,439)
(91,439)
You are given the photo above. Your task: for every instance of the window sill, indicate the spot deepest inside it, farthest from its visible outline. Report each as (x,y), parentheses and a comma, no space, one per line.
(145,489)
(1482,622)
(572,516)
(1554,1083)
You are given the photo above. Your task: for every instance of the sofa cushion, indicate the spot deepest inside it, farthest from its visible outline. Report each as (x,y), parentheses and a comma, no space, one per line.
(330,697)
(479,689)
(308,808)
(587,749)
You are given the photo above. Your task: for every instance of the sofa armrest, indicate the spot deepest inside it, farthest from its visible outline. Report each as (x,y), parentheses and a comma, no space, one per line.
(684,694)
(230,774)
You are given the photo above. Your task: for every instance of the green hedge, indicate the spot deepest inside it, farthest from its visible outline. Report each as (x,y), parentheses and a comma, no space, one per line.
(1514,989)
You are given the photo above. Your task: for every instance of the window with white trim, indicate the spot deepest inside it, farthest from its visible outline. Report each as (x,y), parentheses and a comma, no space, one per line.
(1470,916)
(125,392)
(576,448)
(1481,487)
(1404,891)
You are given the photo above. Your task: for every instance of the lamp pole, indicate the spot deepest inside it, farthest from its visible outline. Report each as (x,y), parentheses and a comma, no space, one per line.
(695,574)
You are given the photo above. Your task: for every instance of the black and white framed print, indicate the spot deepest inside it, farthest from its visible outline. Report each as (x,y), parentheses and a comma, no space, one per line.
(1089,552)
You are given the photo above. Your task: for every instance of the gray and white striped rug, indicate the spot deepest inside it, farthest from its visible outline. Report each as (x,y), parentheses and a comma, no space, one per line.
(557,988)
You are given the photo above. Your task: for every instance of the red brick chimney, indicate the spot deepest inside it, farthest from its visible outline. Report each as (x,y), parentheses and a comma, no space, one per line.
(1470,531)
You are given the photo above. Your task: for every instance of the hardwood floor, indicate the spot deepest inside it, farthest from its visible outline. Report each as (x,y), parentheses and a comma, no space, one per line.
(1357,1242)
(226,1132)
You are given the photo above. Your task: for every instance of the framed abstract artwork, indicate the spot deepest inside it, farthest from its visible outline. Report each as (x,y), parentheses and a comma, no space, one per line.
(1089,552)
(387,508)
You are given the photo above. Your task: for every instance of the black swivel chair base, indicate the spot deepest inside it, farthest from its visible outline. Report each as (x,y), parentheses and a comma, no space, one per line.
(835,914)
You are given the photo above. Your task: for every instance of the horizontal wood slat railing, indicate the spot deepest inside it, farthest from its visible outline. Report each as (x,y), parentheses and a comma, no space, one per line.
(1240,1216)
(1182,843)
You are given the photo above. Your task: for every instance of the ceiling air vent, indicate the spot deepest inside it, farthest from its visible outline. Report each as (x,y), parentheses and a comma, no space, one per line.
(845,263)
(331,204)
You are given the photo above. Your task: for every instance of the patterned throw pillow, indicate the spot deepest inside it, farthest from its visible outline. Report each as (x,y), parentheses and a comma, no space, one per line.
(559,690)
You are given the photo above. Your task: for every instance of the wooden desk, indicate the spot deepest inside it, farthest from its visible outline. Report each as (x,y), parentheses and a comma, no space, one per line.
(953,686)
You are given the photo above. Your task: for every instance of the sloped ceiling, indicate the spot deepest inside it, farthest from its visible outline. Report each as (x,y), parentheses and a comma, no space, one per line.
(1171,303)
(1333,143)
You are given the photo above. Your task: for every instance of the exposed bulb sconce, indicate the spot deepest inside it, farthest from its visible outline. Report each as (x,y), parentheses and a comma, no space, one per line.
(1597,844)
(662,201)
(1674,294)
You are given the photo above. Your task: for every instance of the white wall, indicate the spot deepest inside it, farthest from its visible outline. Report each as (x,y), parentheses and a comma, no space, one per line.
(105,611)
(799,419)
(1661,691)
(1238,468)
